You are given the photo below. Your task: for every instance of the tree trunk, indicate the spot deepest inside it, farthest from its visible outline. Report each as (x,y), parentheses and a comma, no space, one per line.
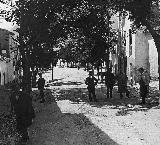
(98,72)
(34,74)
(26,81)
(107,61)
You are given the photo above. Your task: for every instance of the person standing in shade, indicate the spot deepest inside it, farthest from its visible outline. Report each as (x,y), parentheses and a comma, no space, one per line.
(24,113)
(143,80)
(122,84)
(91,82)
(109,82)
(41,84)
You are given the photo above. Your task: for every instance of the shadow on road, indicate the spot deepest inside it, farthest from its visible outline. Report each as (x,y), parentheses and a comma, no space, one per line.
(125,105)
(52,126)
(65,83)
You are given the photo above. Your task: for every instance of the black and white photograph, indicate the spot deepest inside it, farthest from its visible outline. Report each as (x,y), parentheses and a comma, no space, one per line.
(79,72)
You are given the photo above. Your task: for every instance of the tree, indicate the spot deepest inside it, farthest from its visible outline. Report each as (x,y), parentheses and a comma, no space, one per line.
(35,37)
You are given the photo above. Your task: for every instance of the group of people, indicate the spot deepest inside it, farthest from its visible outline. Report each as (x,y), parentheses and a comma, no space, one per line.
(23,109)
(143,79)
(21,106)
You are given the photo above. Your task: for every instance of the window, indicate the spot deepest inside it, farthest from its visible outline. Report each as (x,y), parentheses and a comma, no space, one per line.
(130,37)
(116,68)
(130,42)
(4,78)
(131,69)
(0,78)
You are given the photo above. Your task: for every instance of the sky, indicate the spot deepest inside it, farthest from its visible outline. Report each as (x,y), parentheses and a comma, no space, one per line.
(3,23)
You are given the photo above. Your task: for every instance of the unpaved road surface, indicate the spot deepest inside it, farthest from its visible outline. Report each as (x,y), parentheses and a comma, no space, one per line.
(68,118)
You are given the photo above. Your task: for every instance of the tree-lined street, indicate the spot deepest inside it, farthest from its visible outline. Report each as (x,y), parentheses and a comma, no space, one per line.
(65,42)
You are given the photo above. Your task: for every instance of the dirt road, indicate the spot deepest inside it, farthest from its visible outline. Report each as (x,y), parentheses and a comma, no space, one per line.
(68,118)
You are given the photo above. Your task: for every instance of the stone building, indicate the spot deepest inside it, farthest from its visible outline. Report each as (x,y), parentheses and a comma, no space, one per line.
(140,51)
(8,53)
(138,48)
(7,57)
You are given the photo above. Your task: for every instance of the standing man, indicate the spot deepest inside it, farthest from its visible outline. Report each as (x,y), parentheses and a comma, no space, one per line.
(143,80)
(122,84)
(91,82)
(24,112)
(41,84)
(109,82)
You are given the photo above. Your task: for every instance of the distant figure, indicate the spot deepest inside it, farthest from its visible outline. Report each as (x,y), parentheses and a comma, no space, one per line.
(122,84)
(143,80)
(41,84)
(24,112)
(131,81)
(15,87)
(91,82)
(78,66)
(109,82)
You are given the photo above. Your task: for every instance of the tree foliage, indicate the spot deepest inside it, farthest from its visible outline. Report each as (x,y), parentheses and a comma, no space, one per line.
(92,20)
(42,23)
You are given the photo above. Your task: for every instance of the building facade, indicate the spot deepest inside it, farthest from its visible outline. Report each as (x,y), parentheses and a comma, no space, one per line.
(7,57)
(8,53)
(138,49)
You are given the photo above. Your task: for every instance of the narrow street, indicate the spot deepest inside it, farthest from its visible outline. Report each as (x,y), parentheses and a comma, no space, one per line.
(68,118)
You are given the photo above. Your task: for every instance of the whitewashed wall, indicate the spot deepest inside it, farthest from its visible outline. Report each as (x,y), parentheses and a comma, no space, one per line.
(8,70)
(153,59)
(142,51)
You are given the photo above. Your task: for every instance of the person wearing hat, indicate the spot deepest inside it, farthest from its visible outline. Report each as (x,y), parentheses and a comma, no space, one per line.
(91,82)
(41,84)
(24,113)
(143,80)
(109,82)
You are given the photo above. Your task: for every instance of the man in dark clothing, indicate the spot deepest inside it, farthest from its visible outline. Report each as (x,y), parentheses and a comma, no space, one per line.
(91,81)
(24,112)
(122,85)
(41,84)
(143,80)
(109,81)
